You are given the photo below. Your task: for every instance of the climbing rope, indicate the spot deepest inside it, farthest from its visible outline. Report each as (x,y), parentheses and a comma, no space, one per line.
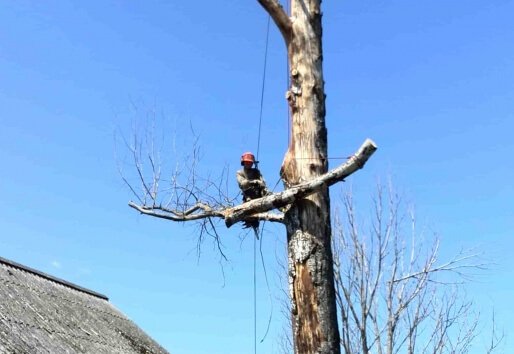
(262,88)
(259,233)
(256,163)
(255,293)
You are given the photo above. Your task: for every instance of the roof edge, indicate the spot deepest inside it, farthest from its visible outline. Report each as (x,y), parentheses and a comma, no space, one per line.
(51,278)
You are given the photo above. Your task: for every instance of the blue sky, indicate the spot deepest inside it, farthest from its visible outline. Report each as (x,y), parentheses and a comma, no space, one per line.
(430,81)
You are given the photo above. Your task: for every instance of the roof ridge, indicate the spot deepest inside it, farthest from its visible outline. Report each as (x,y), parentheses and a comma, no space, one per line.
(51,278)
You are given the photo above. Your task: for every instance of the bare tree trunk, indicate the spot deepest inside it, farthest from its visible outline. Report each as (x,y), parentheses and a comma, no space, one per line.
(311,278)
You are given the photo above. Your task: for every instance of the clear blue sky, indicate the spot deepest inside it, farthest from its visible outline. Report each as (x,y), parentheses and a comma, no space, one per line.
(430,81)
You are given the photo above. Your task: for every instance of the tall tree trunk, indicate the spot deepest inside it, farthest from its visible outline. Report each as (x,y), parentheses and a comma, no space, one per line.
(311,281)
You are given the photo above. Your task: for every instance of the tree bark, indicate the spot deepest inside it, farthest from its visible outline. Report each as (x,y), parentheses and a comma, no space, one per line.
(311,278)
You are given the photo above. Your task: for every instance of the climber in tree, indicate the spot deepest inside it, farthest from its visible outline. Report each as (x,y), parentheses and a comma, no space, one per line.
(251,183)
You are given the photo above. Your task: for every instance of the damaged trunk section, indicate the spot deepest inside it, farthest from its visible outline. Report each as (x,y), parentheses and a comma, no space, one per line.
(313,311)
(305,298)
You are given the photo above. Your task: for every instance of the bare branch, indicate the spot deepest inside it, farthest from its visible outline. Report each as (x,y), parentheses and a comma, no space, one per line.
(454,265)
(188,215)
(279,16)
(496,338)
(199,211)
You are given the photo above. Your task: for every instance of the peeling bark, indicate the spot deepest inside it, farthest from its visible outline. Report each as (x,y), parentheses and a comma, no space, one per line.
(308,328)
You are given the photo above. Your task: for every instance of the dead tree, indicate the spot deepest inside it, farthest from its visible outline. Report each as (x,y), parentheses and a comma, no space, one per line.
(306,179)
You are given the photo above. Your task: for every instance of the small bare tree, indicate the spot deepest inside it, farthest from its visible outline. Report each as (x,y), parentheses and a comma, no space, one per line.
(394,295)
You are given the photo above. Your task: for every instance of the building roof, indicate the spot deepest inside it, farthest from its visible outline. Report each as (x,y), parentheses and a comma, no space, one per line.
(43,314)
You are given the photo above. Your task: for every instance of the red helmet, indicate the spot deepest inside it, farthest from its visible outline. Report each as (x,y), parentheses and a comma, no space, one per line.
(247,157)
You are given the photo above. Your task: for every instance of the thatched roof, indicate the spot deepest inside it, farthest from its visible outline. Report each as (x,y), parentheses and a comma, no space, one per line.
(43,314)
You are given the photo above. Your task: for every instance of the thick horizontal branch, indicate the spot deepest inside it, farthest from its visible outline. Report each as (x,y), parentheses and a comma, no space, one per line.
(289,196)
(279,16)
